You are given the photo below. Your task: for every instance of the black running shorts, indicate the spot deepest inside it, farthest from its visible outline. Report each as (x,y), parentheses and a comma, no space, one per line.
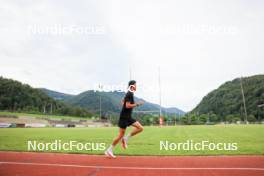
(125,122)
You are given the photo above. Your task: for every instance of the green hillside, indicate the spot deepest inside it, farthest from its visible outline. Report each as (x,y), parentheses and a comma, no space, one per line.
(226,102)
(18,97)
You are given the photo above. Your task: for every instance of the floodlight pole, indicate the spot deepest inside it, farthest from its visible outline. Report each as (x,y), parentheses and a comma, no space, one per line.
(51,108)
(160,111)
(260,106)
(100,101)
(244,102)
(176,118)
(100,107)
(44,109)
(130,73)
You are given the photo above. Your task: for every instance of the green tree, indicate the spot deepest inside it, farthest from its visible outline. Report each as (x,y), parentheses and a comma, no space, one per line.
(251,118)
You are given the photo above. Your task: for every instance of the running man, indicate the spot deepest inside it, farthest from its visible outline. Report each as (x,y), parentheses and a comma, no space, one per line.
(126,120)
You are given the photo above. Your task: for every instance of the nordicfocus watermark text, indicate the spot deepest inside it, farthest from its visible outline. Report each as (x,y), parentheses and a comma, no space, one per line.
(203,145)
(72,29)
(58,145)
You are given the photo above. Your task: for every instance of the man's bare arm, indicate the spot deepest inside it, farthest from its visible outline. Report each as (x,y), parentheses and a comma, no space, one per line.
(132,105)
(122,102)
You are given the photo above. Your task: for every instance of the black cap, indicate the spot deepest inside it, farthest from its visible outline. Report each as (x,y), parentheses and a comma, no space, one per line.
(131,82)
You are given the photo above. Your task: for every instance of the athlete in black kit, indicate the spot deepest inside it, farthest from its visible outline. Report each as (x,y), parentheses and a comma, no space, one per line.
(126,119)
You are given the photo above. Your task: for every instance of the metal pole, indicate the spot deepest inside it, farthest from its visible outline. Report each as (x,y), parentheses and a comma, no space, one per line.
(100,107)
(130,73)
(44,109)
(160,111)
(259,106)
(244,102)
(175,118)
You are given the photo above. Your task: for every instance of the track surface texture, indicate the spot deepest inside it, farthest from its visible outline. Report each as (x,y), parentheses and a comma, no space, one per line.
(42,164)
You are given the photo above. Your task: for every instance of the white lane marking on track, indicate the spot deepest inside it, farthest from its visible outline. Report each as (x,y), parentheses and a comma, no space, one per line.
(135,168)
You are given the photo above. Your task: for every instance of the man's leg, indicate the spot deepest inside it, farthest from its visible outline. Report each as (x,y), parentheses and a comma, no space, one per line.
(120,135)
(109,151)
(138,128)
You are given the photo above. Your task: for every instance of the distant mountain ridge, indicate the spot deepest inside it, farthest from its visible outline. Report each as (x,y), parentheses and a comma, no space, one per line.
(110,101)
(56,95)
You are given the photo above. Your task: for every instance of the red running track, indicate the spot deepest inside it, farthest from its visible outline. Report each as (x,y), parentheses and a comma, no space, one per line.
(52,164)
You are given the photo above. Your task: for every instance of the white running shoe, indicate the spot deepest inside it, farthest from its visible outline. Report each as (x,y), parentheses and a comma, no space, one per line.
(124,143)
(109,153)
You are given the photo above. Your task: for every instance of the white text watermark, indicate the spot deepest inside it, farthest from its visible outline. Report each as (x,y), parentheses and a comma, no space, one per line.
(190,145)
(73,29)
(58,145)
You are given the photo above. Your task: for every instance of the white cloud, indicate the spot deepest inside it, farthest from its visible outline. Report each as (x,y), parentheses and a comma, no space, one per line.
(197,44)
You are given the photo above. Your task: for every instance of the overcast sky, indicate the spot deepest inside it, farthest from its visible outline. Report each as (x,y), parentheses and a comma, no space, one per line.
(70,46)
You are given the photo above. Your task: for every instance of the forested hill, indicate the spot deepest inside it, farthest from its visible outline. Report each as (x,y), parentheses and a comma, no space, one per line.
(227,99)
(15,96)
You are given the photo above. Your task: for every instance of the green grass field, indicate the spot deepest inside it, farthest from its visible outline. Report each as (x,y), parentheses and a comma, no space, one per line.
(249,138)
